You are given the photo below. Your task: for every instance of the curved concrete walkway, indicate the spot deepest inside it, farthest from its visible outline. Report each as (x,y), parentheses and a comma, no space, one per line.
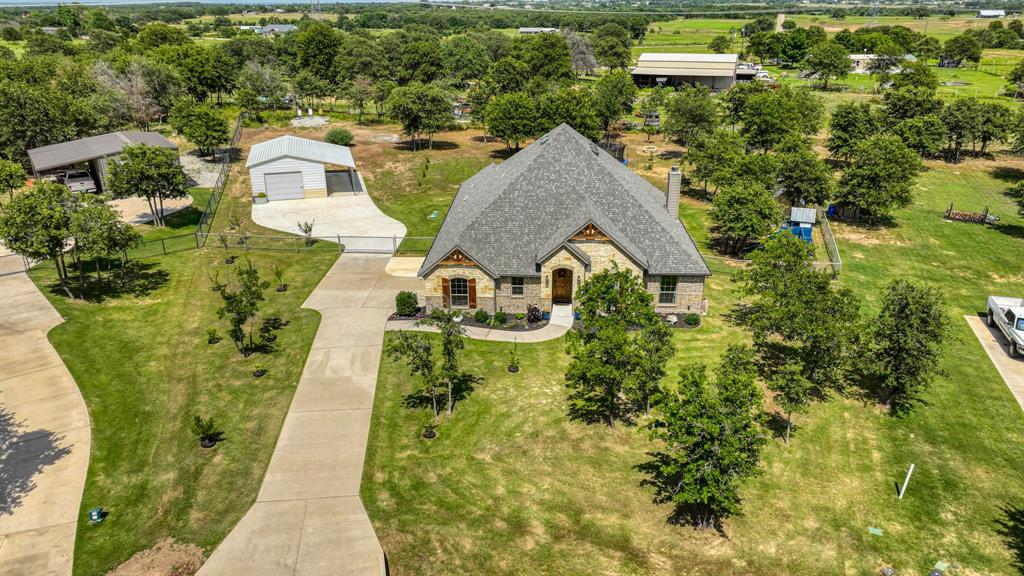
(44,434)
(308,518)
(561,322)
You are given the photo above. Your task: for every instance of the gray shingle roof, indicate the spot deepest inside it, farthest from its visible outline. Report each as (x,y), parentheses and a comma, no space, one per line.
(91,148)
(302,148)
(508,216)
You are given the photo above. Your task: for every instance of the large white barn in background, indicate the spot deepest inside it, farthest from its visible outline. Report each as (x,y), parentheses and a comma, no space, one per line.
(716,71)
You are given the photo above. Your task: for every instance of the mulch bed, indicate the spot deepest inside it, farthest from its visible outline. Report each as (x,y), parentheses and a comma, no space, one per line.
(512,325)
(681,321)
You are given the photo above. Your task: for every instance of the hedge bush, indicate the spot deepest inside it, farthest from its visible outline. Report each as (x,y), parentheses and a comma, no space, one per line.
(406,303)
(339,136)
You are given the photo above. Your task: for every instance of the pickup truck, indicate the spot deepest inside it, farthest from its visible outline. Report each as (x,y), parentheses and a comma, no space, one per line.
(1008,315)
(79,181)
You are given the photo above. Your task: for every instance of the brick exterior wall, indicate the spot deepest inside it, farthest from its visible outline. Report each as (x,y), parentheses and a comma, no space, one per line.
(689,294)
(432,297)
(689,289)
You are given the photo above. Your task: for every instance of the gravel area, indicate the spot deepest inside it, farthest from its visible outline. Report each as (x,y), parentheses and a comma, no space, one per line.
(202,171)
(309,121)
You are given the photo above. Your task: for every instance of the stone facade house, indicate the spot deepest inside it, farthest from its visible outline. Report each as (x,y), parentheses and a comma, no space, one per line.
(532,229)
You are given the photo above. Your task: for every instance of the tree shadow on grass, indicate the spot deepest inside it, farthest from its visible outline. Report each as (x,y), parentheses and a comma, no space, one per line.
(138,279)
(423,146)
(1011,528)
(1007,174)
(503,153)
(665,488)
(24,454)
(462,386)
(1015,230)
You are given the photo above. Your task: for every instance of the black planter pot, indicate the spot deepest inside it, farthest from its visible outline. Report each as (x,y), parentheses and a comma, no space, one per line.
(259,373)
(207,443)
(213,341)
(229,260)
(429,433)
(282,288)
(513,369)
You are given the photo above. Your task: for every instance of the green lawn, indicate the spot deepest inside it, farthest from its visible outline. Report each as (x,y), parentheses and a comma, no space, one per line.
(512,486)
(417,192)
(141,359)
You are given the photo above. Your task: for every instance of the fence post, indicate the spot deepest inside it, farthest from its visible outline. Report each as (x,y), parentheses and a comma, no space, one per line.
(394,244)
(164,246)
(197,240)
(340,249)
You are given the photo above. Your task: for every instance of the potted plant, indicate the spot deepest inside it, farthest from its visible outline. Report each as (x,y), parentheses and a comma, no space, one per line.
(513,362)
(206,430)
(429,431)
(260,371)
(279,276)
(211,336)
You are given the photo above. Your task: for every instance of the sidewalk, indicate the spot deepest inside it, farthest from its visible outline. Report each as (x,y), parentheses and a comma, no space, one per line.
(44,434)
(308,518)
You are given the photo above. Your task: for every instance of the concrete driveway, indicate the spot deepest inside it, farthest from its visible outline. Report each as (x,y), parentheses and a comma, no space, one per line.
(308,519)
(1011,369)
(352,218)
(44,434)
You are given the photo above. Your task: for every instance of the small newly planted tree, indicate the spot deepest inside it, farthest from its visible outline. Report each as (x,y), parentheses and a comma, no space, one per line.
(241,304)
(452,342)
(205,429)
(418,354)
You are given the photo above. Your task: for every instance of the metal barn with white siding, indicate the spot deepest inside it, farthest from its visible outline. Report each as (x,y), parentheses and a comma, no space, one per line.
(293,168)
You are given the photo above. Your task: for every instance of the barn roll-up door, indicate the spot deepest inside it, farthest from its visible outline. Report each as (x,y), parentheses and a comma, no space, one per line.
(284,186)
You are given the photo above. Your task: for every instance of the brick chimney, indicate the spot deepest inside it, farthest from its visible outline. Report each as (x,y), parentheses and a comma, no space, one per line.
(675,180)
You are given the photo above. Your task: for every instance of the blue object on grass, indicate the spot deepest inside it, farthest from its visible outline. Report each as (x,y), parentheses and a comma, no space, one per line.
(96,515)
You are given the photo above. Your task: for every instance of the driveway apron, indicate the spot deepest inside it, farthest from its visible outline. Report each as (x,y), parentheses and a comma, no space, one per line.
(308,518)
(44,434)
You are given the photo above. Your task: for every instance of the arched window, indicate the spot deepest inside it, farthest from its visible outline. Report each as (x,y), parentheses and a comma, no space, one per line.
(460,292)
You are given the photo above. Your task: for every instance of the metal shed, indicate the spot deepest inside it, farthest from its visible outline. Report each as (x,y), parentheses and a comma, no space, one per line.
(716,71)
(96,150)
(292,168)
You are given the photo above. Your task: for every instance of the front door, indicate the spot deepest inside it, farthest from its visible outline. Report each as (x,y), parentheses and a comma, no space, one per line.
(561,286)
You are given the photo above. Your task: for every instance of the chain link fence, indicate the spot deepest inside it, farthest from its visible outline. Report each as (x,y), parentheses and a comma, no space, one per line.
(206,221)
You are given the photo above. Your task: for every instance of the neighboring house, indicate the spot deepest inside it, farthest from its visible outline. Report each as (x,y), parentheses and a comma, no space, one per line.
(293,168)
(531,30)
(861,63)
(269,29)
(716,71)
(991,13)
(97,151)
(532,229)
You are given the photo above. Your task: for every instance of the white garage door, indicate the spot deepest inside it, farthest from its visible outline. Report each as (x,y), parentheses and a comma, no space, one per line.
(284,186)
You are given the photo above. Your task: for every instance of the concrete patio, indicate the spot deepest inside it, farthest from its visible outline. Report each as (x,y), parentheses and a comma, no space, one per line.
(351,218)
